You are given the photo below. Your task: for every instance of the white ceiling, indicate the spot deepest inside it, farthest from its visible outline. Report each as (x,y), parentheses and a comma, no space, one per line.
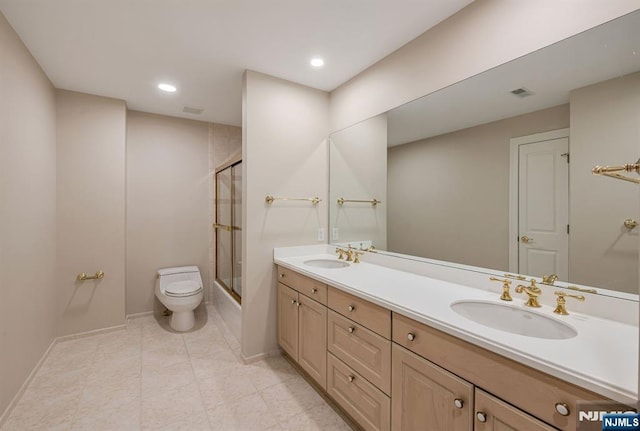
(124,48)
(604,52)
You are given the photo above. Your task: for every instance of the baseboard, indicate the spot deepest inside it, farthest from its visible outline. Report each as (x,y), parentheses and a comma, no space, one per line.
(255,358)
(26,383)
(135,316)
(35,370)
(91,333)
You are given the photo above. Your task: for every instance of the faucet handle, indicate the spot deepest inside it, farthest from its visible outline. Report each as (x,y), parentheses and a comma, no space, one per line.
(505,288)
(340,253)
(561,301)
(356,256)
(549,279)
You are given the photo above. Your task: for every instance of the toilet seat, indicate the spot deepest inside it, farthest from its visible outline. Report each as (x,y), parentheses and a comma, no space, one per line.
(183,288)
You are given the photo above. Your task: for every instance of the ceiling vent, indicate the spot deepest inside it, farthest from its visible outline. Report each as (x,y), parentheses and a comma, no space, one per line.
(521,92)
(192,110)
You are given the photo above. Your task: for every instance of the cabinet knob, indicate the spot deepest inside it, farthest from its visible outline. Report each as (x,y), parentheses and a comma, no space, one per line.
(351,329)
(314,290)
(411,336)
(282,275)
(351,377)
(293,301)
(563,409)
(481,416)
(351,307)
(458,403)
(299,304)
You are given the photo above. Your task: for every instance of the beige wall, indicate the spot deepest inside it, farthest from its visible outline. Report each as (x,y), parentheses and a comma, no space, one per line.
(483,35)
(285,154)
(449,195)
(27,213)
(167,201)
(358,167)
(605,130)
(90,211)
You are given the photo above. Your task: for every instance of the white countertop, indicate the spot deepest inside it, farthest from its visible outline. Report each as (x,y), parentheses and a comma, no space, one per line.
(603,357)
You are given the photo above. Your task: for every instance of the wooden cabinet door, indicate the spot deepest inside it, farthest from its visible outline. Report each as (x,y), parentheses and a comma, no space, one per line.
(288,320)
(312,339)
(493,414)
(427,397)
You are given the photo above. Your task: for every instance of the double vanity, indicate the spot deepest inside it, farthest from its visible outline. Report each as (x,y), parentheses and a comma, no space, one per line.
(401,351)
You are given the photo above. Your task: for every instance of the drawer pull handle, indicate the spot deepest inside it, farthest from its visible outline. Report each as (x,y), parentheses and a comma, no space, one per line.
(458,403)
(351,377)
(293,301)
(482,416)
(314,290)
(351,307)
(411,336)
(563,409)
(351,329)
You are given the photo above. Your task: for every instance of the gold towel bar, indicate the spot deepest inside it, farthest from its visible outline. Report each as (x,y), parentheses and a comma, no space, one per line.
(612,171)
(314,200)
(373,201)
(98,275)
(228,228)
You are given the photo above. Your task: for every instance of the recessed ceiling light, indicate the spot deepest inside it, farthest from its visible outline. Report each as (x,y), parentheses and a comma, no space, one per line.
(167,87)
(317,62)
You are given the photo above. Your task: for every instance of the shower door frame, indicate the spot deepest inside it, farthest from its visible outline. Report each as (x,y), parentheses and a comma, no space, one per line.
(229,228)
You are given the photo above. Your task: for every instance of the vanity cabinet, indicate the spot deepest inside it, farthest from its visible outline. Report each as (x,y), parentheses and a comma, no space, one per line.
(530,390)
(427,397)
(302,332)
(390,372)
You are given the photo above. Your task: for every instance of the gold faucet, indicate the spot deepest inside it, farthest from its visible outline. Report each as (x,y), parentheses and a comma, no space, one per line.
(348,252)
(533,292)
(371,248)
(561,301)
(549,279)
(356,256)
(505,288)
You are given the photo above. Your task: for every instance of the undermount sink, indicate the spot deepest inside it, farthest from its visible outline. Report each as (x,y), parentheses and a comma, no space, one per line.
(326,263)
(513,319)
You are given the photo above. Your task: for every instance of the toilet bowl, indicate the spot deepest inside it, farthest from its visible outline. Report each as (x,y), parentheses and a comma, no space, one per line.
(180,290)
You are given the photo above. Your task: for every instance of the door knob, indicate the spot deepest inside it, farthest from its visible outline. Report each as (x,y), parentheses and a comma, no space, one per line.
(525,239)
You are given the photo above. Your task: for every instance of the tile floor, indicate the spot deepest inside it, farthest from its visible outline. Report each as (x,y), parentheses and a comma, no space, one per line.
(148,378)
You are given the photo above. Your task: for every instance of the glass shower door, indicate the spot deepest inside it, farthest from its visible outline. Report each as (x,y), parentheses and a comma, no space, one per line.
(227,228)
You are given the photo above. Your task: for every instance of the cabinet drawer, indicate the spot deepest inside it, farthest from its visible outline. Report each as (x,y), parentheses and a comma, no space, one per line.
(365,351)
(364,402)
(303,284)
(369,315)
(526,388)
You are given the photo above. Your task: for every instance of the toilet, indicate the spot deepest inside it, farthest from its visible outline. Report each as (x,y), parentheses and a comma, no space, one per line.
(180,290)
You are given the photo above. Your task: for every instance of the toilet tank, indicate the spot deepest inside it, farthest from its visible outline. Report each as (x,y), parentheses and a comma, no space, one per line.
(180,273)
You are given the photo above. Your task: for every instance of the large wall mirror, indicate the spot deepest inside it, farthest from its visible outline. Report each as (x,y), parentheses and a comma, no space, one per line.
(495,171)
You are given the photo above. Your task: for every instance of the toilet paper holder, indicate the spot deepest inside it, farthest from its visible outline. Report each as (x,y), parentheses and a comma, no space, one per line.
(99,275)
